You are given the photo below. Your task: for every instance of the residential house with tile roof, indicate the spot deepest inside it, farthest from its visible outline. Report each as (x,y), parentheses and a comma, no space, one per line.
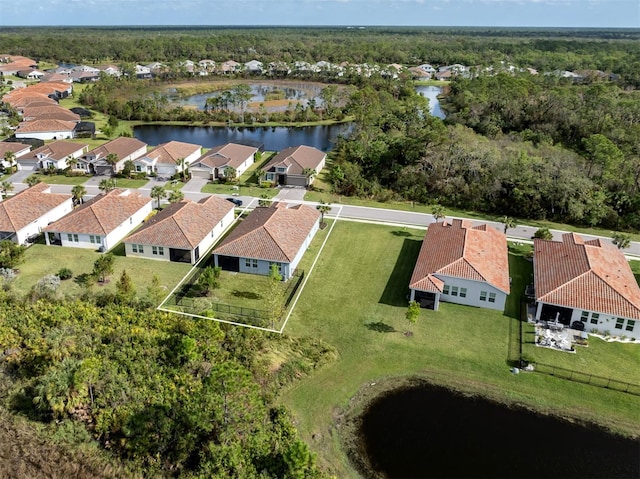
(15,147)
(589,282)
(461,263)
(124,148)
(25,214)
(59,155)
(165,159)
(49,112)
(183,231)
(46,129)
(101,222)
(224,161)
(295,166)
(275,235)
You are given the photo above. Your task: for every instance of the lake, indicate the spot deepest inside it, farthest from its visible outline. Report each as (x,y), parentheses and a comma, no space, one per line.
(273,138)
(428,431)
(432,92)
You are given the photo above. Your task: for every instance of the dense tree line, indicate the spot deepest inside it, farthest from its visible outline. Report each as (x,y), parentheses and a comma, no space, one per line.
(172,396)
(545,50)
(520,146)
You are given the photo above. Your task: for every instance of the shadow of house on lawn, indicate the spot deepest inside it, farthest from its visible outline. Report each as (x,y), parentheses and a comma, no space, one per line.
(397,287)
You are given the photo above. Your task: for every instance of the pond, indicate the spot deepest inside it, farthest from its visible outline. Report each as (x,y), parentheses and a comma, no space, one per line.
(273,138)
(428,431)
(263,93)
(432,92)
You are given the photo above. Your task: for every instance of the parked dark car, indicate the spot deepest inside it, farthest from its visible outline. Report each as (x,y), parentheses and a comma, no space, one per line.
(235,201)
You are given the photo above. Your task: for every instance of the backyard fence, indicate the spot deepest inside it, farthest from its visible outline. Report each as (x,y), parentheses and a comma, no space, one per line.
(586,378)
(515,353)
(186,300)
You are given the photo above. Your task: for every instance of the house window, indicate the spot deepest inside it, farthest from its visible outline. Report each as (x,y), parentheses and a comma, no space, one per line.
(251,263)
(619,323)
(138,168)
(156,250)
(585,316)
(281,169)
(137,248)
(463,292)
(279,265)
(161,250)
(483,295)
(72,237)
(454,291)
(95,239)
(445,289)
(631,324)
(594,318)
(492,297)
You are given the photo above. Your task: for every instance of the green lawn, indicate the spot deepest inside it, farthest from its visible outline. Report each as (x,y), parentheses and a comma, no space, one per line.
(356,301)
(323,193)
(61,179)
(41,260)
(129,183)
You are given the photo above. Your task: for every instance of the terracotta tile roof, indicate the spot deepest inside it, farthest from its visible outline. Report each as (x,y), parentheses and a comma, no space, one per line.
(182,225)
(15,147)
(121,146)
(297,158)
(22,98)
(229,154)
(19,210)
(169,153)
(38,126)
(102,214)
(275,233)
(50,112)
(588,275)
(58,150)
(460,250)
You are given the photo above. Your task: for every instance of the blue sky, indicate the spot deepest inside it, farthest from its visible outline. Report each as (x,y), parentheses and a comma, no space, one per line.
(518,13)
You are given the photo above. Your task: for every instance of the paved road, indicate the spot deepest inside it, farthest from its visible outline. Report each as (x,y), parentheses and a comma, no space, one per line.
(358,213)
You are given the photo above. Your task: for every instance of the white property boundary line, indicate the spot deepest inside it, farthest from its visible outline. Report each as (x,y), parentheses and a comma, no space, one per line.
(269,330)
(306,277)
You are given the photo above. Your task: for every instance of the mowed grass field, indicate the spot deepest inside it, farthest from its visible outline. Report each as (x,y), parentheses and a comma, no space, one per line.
(355,300)
(41,260)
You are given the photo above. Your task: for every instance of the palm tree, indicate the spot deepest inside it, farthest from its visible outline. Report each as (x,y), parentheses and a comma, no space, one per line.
(323,208)
(621,240)
(183,168)
(158,193)
(107,185)
(33,180)
(78,192)
(112,159)
(5,187)
(309,173)
(176,196)
(508,223)
(10,157)
(438,212)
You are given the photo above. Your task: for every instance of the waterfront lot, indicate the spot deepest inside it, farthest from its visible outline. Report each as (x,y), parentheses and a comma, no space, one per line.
(356,301)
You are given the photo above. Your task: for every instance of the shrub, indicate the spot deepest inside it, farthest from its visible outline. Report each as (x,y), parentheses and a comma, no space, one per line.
(65,273)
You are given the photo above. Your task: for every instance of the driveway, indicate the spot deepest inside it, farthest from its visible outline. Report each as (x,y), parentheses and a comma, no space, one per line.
(291,194)
(21,176)
(194,185)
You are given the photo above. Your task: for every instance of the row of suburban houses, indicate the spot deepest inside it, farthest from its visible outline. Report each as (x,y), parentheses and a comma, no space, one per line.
(294,166)
(181,232)
(585,285)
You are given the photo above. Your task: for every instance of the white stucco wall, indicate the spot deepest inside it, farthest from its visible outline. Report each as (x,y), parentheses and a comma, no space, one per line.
(602,323)
(46,135)
(37,225)
(207,242)
(110,240)
(474,290)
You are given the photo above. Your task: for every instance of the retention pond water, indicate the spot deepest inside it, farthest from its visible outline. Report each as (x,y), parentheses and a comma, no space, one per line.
(427,431)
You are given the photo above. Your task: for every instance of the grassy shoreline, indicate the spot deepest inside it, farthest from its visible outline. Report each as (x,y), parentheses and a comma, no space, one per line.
(355,301)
